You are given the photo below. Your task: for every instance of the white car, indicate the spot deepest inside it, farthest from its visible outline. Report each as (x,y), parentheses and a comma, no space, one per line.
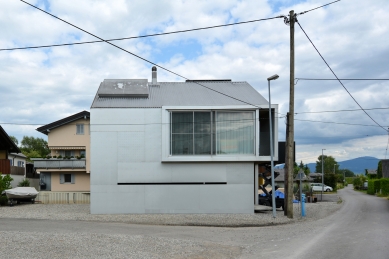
(318,187)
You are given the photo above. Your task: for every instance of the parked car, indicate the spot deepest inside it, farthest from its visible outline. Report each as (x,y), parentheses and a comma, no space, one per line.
(318,187)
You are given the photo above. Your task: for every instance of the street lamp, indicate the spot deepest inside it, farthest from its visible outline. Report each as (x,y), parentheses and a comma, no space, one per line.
(322,174)
(344,178)
(273,191)
(334,167)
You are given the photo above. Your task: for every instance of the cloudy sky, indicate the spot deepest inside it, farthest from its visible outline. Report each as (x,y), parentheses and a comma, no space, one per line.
(39,86)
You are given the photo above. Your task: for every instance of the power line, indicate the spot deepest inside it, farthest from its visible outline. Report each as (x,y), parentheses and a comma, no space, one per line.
(143,36)
(318,7)
(305,136)
(158,34)
(351,110)
(148,61)
(341,123)
(338,78)
(168,123)
(348,79)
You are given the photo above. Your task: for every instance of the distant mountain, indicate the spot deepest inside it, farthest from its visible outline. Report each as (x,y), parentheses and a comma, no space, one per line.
(356,165)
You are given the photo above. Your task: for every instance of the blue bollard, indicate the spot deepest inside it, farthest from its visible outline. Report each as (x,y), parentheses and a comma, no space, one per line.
(302,205)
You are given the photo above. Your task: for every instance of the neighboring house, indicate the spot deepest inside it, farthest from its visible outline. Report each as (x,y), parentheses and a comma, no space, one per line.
(67,171)
(18,168)
(371,173)
(178,147)
(280,179)
(18,160)
(315,176)
(7,146)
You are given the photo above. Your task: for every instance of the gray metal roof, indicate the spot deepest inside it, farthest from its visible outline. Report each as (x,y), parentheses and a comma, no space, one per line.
(192,93)
(123,88)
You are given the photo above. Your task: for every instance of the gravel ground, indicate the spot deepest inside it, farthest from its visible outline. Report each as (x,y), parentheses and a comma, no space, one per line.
(81,212)
(78,234)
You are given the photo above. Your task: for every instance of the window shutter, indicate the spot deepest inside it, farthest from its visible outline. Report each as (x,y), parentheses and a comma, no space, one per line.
(61,178)
(73,178)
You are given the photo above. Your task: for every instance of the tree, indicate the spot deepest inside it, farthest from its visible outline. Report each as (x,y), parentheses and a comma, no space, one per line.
(347,172)
(303,167)
(14,139)
(329,164)
(357,182)
(34,147)
(307,171)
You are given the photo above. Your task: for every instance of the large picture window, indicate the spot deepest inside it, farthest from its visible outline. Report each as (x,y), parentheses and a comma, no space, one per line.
(212,132)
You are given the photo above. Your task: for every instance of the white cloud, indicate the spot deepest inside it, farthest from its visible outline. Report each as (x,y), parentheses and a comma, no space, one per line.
(44,85)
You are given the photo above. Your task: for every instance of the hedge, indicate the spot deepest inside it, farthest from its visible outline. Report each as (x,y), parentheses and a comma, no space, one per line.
(377,185)
(385,186)
(370,187)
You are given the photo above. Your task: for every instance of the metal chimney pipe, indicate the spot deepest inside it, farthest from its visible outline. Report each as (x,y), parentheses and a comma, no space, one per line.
(154,75)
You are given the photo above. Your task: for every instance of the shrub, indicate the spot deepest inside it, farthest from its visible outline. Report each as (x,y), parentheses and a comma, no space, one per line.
(350,180)
(5,182)
(24,183)
(370,187)
(48,157)
(54,156)
(377,185)
(357,182)
(385,186)
(59,157)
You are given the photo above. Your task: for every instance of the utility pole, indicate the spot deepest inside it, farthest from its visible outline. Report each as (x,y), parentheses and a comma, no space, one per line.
(286,181)
(290,127)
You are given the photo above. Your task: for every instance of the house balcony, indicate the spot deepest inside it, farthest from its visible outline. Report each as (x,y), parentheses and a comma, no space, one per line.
(17,170)
(54,163)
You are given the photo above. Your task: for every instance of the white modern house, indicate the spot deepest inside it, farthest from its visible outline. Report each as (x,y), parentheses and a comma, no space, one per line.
(177,147)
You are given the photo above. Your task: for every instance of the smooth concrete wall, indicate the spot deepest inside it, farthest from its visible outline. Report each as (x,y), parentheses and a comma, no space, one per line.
(122,152)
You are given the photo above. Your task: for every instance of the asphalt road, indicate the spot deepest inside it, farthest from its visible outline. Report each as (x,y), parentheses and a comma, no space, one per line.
(359,229)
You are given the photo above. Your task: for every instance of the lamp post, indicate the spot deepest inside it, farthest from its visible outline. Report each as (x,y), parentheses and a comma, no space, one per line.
(322,174)
(334,167)
(344,178)
(273,191)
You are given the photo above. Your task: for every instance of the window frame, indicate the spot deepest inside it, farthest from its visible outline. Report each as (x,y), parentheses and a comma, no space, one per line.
(166,135)
(62,178)
(214,132)
(80,129)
